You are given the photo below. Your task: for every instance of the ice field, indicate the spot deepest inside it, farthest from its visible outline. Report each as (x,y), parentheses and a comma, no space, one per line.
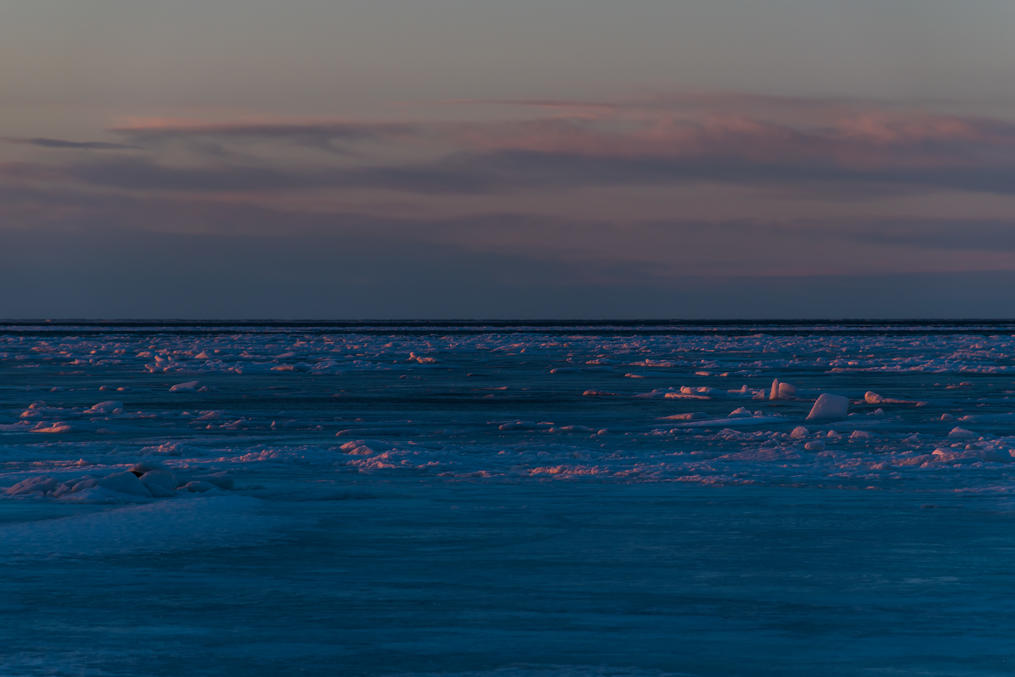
(507,499)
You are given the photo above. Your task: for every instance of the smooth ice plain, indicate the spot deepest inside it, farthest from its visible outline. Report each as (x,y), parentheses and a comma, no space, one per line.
(507,499)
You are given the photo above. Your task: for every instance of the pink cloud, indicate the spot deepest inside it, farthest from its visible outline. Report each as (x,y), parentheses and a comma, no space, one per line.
(863,138)
(688,125)
(781,143)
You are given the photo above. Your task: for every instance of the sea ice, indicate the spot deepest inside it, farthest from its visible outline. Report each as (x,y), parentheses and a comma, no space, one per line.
(437,460)
(157,527)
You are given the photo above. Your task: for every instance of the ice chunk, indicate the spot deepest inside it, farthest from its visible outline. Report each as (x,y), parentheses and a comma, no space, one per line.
(107,407)
(871,397)
(58,427)
(75,486)
(988,418)
(961,433)
(994,455)
(160,483)
(144,466)
(125,482)
(696,393)
(687,416)
(571,429)
(800,432)
(198,486)
(743,392)
(781,390)
(829,407)
(519,425)
(165,449)
(653,363)
(218,479)
(37,410)
(357,448)
(748,420)
(33,485)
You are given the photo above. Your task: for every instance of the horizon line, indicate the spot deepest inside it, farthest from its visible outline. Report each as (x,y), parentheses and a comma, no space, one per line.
(503,320)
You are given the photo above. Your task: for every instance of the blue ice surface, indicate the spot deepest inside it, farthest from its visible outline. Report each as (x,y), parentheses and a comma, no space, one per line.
(507,499)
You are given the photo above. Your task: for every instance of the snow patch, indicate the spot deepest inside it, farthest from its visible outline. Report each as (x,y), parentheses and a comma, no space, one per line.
(165,526)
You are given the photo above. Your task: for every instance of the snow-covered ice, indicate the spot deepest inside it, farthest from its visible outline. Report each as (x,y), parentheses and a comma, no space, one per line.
(472,498)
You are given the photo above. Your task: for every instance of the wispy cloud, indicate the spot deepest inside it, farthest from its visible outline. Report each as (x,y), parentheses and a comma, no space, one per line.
(680,138)
(329,135)
(64,144)
(496,173)
(520,171)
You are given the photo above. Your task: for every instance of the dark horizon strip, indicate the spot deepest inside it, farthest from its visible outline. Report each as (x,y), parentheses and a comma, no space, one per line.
(514,322)
(511,327)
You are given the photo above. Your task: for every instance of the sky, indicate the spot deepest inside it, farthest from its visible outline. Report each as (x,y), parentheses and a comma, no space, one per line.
(525,159)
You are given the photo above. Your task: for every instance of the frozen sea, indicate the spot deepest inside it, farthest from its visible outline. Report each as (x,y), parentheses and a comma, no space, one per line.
(507,499)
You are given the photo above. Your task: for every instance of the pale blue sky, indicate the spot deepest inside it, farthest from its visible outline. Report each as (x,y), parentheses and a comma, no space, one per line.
(353,55)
